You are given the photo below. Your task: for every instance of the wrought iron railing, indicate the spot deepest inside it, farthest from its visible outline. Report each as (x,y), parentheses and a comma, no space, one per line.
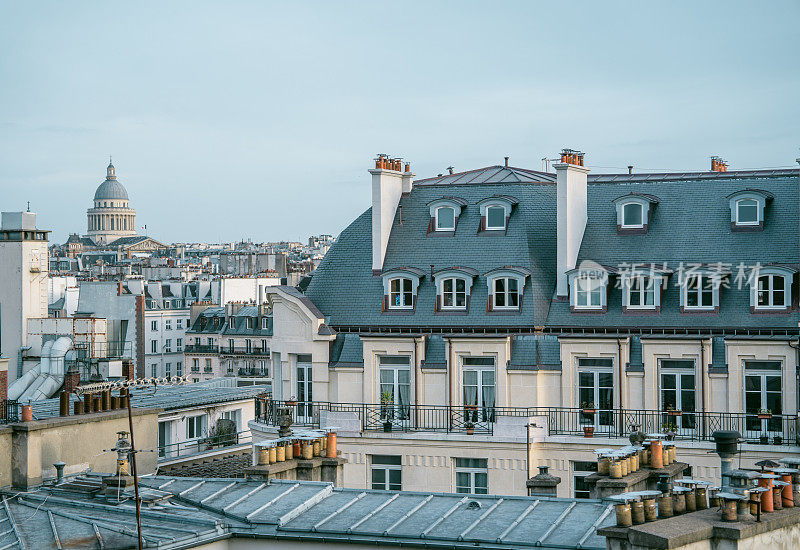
(772,429)
(255,350)
(9,411)
(199,348)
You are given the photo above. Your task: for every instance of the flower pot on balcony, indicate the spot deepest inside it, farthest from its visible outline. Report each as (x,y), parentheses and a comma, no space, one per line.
(291,403)
(588,431)
(470,428)
(387,427)
(777,440)
(764,439)
(674,413)
(588,411)
(764,416)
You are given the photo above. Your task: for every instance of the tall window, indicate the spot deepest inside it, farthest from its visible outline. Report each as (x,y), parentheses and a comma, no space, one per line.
(746,212)
(580,471)
(678,394)
(495,217)
(167,325)
(401,295)
(387,472)
(699,292)
(208,365)
(478,375)
(596,392)
(179,368)
(168,369)
(153,346)
(632,215)
(454,293)
(763,393)
(154,370)
(179,344)
(771,291)
(445,218)
(394,375)
(196,426)
(264,323)
(179,324)
(472,476)
(153,325)
(506,293)
(195,365)
(305,387)
(588,292)
(168,345)
(641,292)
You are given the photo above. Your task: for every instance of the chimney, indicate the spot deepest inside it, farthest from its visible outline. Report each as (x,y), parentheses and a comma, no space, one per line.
(718,165)
(389,181)
(630,169)
(543,484)
(571,213)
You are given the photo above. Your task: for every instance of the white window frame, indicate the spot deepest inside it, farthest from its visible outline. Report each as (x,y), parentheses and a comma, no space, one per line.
(168,345)
(756,205)
(507,292)
(715,283)
(642,217)
(167,324)
(401,282)
(787,291)
(179,344)
(470,471)
(193,430)
(505,216)
(386,468)
(454,293)
(154,326)
(647,285)
(264,323)
(437,227)
(600,290)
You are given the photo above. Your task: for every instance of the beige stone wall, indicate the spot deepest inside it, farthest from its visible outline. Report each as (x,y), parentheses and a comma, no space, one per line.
(80,441)
(5,456)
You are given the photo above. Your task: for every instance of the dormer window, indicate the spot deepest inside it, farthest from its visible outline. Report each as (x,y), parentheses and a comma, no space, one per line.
(698,292)
(400,288)
(642,288)
(633,212)
(453,287)
(588,289)
(401,293)
(632,215)
(444,215)
(445,218)
(506,286)
(495,217)
(495,212)
(748,208)
(771,289)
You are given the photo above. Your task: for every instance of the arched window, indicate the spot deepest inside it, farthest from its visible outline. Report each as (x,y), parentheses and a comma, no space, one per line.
(445,218)
(746,212)
(632,215)
(495,217)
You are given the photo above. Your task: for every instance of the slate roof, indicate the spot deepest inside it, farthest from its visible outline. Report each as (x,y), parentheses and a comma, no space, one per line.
(347,350)
(435,353)
(535,352)
(345,290)
(690,205)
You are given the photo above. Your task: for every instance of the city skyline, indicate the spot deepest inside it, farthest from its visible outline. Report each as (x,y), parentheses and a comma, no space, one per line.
(232,114)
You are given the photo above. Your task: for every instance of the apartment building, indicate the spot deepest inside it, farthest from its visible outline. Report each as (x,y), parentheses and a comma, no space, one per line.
(470,327)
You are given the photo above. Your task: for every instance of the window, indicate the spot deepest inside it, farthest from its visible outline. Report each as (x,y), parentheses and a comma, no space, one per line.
(771,291)
(179,324)
(234,415)
(179,368)
(478,384)
(596,392)
(632,215)
(580,471)
(763,391)
(168,369)
(153,325)
(154,370)
(265,323)
(248,345)
(472,476)
(263,346)
(746,212)
(232,323)
(641,292)
(179,344)
(196,426)
(401,295)
(678,393)
(231,345)
(699,292)
(495,217)
(197,341)
(153,346)
(251,322)
(445,218)
(208,365)
(394,376)
(209,341)
(454,293)
(588,292)
(167,325)
(387,472)
(195,365)
(505,293)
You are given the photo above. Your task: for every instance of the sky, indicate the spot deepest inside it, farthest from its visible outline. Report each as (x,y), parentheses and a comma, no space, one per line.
(236,120)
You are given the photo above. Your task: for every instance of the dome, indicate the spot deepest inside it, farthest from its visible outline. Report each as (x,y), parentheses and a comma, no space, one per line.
(111,188)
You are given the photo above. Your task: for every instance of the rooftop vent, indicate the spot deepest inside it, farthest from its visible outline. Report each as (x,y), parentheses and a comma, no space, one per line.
(474,505)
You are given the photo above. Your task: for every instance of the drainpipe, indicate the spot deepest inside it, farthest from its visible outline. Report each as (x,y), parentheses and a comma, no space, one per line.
(450,381)
(703,385)
(797,372)
(417,374)
(619,369)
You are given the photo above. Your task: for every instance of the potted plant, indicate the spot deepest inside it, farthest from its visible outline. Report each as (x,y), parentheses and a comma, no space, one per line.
(387,400)
(587,408)
(672,412)
(777,440)
(764,414)
(470,428)
(292,401)
(670,429)
(588,431)
(764,439)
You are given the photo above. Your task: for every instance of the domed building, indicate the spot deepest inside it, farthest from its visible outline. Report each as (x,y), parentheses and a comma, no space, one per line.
(111,218)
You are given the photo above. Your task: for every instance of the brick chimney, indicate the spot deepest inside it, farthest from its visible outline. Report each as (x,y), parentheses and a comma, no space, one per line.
(718,165)
(3,379)
(543,484)
(571,213)
(390,180)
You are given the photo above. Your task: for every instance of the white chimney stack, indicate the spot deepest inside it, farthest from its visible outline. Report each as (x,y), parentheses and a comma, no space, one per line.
(390,179)
(571,214)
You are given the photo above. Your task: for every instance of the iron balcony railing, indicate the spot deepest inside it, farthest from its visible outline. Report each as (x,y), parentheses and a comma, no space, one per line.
(9,411)
(682,425)
(200,348)
(203,445)
(251,371)
(244,351)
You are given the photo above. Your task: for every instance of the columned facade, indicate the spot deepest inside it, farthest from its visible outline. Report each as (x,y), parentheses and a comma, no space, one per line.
(111,216)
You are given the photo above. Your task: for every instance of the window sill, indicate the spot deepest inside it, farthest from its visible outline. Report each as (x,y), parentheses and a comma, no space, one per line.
(769,310)
(700,310)
(622,230)
(503,311)
(492,232)
(574,309)
(738,228)
(641,310)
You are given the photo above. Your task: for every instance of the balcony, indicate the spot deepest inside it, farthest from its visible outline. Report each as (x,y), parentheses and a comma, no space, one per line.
(248,371)
(9,411)
(560,421)
(199,348)
(204,444)
(244,351)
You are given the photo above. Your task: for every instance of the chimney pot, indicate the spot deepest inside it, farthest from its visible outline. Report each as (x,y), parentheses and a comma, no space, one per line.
(630,169)
(506,158)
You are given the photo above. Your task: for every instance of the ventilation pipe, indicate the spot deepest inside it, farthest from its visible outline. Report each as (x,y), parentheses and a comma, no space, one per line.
(49,373)
(22,383)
